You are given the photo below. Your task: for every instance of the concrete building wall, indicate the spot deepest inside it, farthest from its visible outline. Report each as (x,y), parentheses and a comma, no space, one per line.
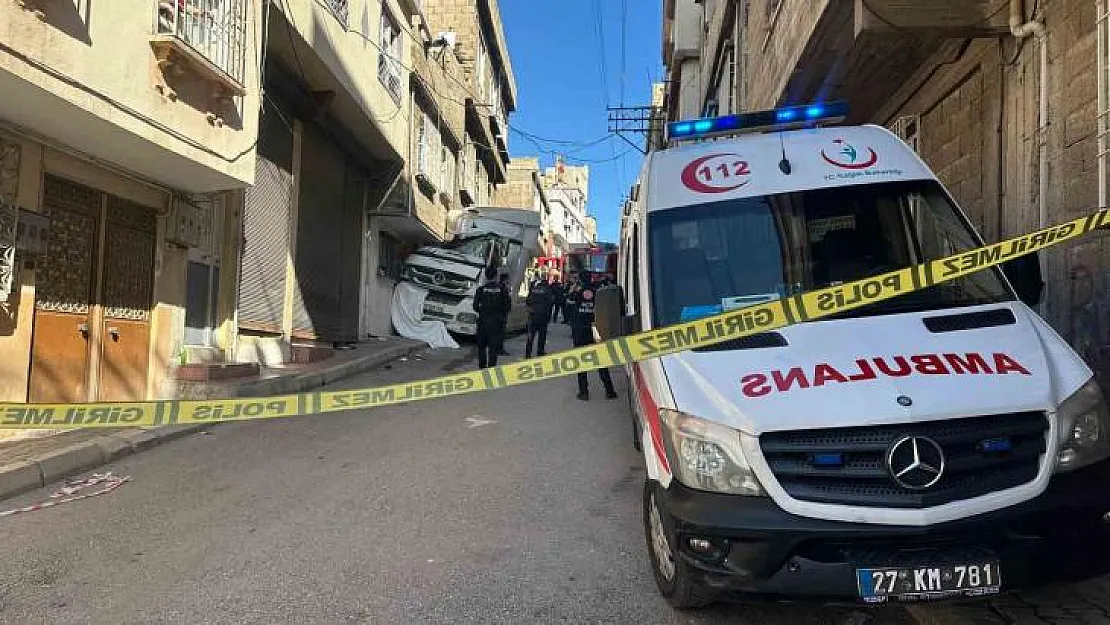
(105,98)
(774,43)
(90,80)
(352,61)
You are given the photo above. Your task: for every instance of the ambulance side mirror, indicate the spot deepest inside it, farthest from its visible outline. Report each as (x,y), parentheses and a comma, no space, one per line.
(609,312)
(1024,273)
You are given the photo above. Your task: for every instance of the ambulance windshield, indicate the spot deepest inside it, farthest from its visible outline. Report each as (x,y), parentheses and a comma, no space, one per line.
(718,256)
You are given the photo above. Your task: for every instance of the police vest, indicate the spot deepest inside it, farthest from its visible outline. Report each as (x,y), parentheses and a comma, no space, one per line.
(490,300)
(585,304)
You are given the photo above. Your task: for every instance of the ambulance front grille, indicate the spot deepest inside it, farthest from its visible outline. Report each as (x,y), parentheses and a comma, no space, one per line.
(847,466)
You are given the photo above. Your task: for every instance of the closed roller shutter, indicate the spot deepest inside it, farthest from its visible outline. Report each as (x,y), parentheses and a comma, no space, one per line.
(328,257)
(266,226)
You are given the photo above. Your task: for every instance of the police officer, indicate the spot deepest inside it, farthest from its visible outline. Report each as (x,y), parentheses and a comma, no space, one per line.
(504,281)
(580,303)
(558,297)
(540,300)
(492,303)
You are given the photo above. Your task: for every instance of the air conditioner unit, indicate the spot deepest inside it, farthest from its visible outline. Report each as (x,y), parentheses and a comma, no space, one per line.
(189,223)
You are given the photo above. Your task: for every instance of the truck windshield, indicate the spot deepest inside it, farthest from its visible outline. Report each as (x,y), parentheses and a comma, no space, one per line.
(476,246)
(717,256)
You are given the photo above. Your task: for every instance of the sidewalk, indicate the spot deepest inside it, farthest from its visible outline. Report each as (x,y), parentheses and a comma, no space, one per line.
(39,457)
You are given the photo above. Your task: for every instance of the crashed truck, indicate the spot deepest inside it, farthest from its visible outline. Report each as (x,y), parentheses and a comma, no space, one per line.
(451,272)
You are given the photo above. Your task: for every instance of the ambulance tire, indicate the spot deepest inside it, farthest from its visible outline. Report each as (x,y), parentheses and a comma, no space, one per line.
(678,587)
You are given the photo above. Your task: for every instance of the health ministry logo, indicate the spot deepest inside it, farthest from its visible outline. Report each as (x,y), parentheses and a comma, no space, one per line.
(848,157)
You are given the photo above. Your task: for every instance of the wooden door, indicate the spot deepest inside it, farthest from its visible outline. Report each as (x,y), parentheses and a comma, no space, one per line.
(128,293)
(65,284)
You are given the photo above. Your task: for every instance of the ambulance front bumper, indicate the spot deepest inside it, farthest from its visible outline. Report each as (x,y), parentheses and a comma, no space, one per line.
(765,552)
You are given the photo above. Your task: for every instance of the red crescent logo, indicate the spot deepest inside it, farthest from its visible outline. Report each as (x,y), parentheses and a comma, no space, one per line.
(690,176)
(874,158)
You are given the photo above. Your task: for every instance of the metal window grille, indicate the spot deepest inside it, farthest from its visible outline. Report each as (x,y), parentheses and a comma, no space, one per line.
(215,29)
(389,63)
(340,9)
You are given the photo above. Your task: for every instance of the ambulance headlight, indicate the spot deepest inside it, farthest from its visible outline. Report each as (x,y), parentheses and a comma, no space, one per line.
(1084,428)
(706,455)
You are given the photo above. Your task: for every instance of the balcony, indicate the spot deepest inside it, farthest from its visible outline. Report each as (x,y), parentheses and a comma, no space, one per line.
(205,38)
(938,18)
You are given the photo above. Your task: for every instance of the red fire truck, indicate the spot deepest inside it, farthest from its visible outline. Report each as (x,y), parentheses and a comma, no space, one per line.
(599,260)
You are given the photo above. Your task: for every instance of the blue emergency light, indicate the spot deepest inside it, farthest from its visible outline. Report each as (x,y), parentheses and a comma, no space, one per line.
(774,119)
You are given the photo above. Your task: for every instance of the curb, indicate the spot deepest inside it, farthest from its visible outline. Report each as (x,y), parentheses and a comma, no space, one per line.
(58,464)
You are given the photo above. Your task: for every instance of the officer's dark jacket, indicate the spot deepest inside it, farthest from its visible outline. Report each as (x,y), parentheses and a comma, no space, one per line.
(492,302)
(581,301)
(540,300)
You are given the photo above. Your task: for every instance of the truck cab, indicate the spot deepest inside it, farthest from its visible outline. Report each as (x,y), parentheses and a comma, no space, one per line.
(451,272)
(944,443)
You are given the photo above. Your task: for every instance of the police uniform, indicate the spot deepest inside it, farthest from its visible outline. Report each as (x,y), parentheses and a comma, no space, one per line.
(492,303)
(540,301)
(501,351)
(580,302)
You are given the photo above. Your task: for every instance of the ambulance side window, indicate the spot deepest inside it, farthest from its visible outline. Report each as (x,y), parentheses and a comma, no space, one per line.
(634,294)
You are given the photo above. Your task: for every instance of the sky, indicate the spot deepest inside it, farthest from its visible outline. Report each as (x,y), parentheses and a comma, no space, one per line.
(563,92)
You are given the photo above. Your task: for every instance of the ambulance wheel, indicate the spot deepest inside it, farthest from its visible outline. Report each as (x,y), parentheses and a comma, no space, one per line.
(672,576)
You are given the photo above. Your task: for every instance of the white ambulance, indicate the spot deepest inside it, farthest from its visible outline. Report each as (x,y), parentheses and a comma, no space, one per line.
(944,443)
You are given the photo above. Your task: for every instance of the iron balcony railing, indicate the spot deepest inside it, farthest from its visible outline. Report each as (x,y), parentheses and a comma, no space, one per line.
(340,9)
(214,29)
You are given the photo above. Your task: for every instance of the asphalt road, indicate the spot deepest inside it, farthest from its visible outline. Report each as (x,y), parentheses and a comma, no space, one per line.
(520,506)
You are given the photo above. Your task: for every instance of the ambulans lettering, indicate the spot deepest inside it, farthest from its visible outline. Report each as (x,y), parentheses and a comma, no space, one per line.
(822,374)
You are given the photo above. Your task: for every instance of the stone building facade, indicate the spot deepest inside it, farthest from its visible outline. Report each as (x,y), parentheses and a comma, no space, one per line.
(1002,98)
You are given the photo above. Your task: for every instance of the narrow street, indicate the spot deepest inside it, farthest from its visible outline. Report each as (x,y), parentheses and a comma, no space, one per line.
(520,506)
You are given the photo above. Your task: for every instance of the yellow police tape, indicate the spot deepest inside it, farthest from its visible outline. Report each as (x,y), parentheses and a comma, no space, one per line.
(703,332)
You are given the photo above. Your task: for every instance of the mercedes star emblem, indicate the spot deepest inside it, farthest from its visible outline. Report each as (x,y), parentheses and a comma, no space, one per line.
(438,277)
(915,462)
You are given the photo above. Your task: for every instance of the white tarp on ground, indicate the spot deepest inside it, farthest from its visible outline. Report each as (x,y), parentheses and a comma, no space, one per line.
(407,313)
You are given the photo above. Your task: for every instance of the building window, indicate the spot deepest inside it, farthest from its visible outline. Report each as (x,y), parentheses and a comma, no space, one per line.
(202,281)
(390,262)
(339,9)
(482,69)
(447,160)
(214,29)
(389,56)
(427,150)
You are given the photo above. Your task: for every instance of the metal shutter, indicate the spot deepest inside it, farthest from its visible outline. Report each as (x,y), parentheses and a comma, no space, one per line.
(266,226)
(321,242)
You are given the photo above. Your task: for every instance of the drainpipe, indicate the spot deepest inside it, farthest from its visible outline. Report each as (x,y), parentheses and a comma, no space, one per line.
(1036,29)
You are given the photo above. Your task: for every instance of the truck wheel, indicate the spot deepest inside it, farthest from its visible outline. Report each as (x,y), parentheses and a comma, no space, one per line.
(672,575)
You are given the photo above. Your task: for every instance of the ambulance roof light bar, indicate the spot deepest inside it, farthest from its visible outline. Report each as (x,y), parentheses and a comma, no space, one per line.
(785,118)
